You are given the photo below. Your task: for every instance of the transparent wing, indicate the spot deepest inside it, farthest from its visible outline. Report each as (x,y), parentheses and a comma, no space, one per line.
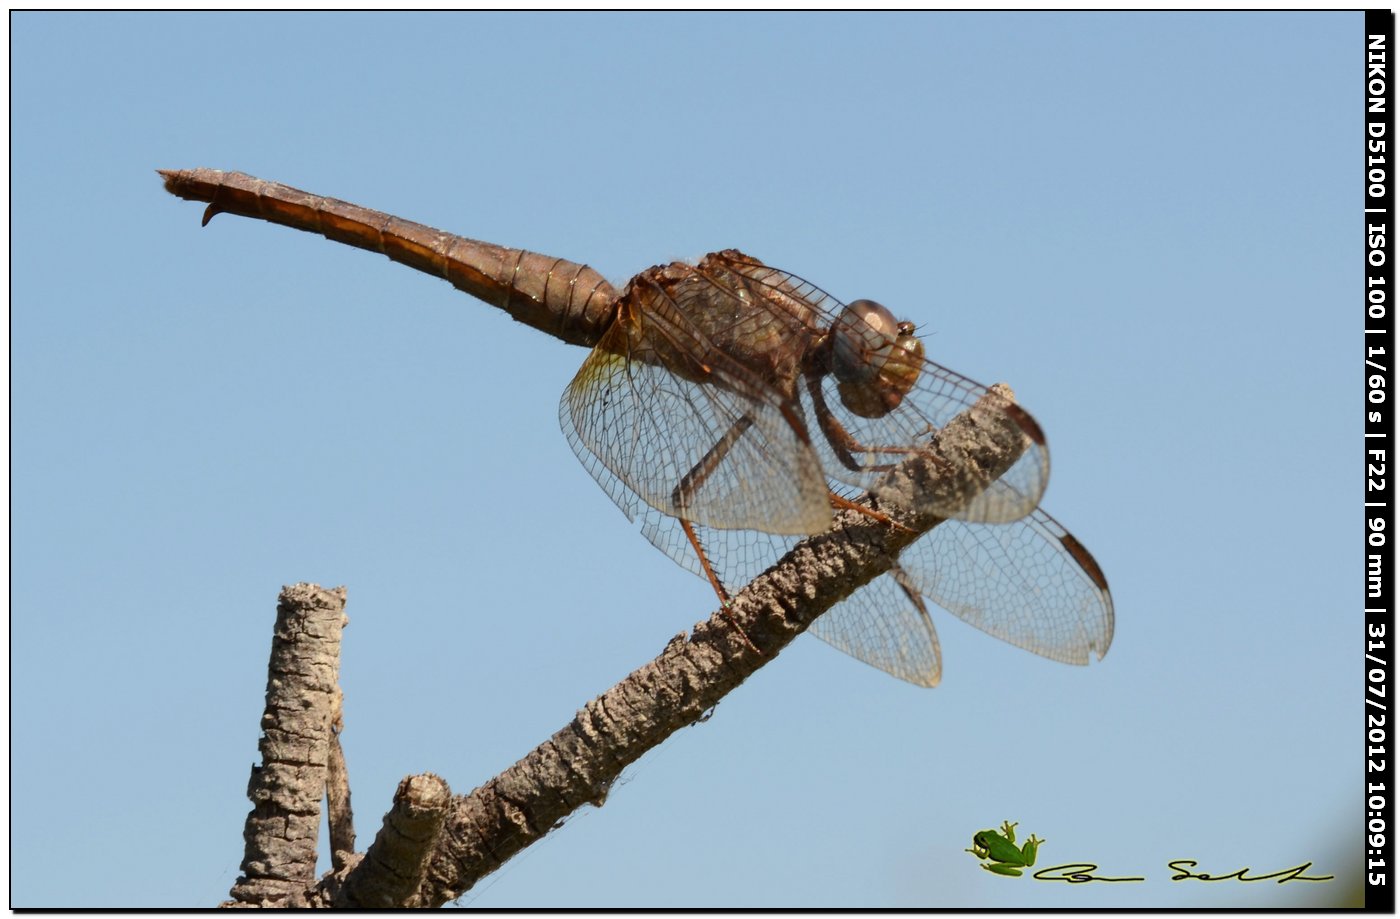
(1029,583)
(886,625)
(691,434)
(859,451)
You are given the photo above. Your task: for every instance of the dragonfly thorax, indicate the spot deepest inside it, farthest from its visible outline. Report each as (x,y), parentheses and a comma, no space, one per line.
(876,360)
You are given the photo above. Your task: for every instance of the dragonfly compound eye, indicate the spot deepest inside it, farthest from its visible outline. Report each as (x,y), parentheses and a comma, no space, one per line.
(875,359)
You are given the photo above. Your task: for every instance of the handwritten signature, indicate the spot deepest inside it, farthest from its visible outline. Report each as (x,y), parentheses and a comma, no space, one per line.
(1081,873)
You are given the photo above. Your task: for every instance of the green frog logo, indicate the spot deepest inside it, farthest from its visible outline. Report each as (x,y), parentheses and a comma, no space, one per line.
(1000,850)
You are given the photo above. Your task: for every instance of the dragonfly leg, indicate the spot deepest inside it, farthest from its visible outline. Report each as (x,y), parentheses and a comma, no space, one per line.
(842,443)
(837,501)
(714,582)
(701,472)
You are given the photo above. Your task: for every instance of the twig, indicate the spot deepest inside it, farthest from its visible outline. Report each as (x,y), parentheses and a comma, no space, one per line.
(397,861)
(339,815)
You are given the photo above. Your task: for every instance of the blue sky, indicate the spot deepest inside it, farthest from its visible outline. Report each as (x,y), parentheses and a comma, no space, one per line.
(1147,224)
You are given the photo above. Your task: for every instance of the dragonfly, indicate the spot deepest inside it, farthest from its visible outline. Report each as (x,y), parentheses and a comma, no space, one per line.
(735,408)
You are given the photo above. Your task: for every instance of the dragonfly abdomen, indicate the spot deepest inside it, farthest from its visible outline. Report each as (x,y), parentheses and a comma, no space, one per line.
(565,299)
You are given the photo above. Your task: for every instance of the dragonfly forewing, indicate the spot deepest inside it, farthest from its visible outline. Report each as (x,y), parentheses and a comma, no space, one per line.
(1029,583)
(703,451)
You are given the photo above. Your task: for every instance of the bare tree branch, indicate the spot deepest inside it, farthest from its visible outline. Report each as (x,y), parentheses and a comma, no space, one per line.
(580,762)
(433,847)
(279,856)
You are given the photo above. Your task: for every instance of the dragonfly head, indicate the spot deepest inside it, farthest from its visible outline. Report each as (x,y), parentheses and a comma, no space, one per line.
(876,360)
